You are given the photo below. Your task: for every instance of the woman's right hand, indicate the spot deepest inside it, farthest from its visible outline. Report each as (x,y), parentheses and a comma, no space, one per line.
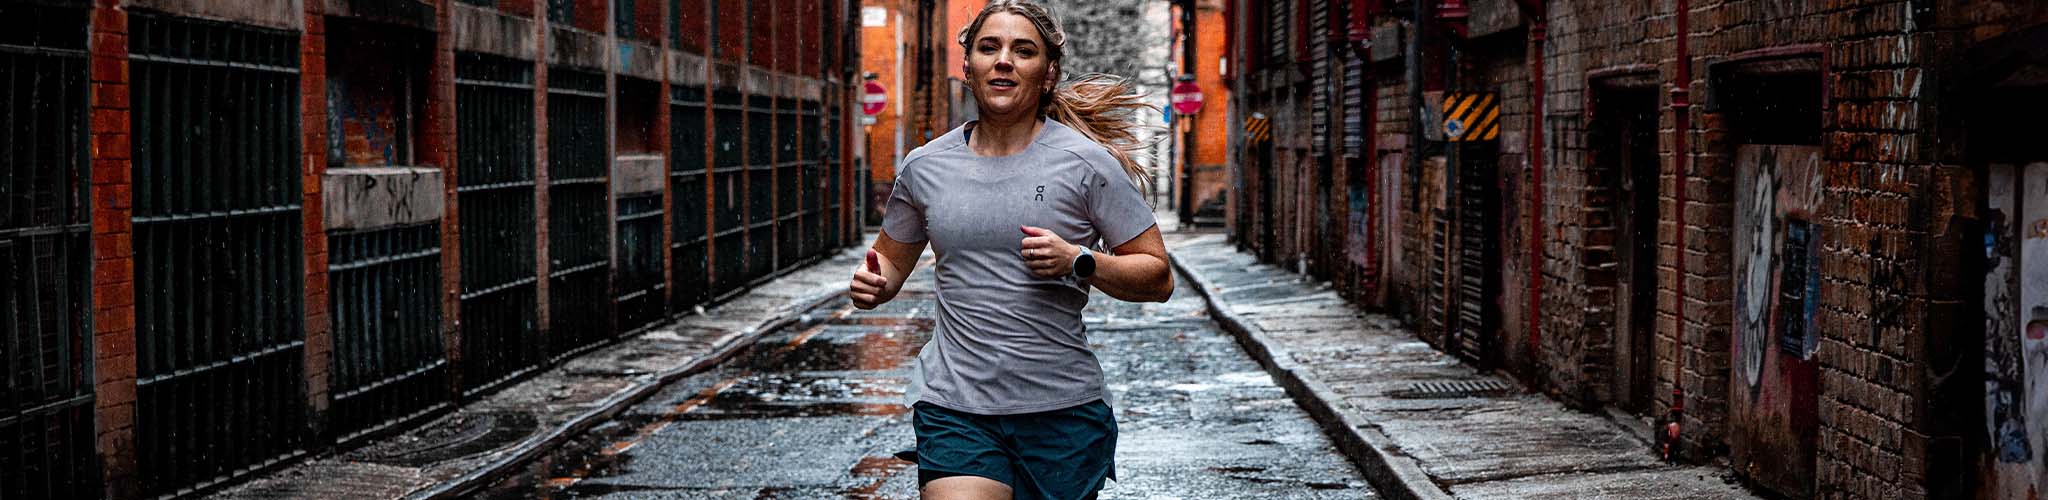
(868,283)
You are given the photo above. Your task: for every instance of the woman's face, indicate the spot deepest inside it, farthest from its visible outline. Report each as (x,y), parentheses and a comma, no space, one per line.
(1008,65)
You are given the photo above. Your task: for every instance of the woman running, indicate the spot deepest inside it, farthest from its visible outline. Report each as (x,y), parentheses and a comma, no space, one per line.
(1011,404)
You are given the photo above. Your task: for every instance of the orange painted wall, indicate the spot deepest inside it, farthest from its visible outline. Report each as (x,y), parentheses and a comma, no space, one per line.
(878,51)
(1209,176)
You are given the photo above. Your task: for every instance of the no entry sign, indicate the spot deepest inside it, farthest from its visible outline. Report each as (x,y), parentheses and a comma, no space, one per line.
(873,98)
(1187,98)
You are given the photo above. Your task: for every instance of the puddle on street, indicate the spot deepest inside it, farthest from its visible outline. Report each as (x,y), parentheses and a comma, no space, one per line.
(834,365)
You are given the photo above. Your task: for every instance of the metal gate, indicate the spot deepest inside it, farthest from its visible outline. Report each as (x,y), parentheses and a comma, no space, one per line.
(728,197)
(579,239)
(687,178)
(760,197)
(219,267)
(389,362)
(495,190)
(46,398)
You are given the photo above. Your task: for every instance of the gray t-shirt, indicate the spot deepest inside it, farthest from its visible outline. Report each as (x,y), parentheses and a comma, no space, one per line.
(1009,342)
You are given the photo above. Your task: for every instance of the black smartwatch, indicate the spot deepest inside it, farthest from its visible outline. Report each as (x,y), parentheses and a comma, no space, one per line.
(1084,264)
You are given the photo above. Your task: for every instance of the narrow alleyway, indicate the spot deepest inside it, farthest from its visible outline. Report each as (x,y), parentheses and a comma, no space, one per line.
(815,411)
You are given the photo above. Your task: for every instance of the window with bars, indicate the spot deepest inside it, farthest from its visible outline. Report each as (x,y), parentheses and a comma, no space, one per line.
(579,243)
(389,362)
(728,191)
(495,188)
(46,390)
(689,203)
(218,260)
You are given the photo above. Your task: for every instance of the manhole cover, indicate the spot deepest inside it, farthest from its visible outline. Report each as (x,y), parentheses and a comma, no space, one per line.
(1452,389)
(458,436)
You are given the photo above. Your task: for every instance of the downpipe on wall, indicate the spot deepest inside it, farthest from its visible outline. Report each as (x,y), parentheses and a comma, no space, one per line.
(1668,441)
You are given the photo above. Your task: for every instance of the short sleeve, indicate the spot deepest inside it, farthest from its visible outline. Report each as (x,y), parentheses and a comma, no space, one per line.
(903,217)
(1115,207)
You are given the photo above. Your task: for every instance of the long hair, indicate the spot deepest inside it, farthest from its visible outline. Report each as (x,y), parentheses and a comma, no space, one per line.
(1102,107)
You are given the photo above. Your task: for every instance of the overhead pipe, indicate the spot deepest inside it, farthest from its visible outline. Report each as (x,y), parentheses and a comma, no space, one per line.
(1681,109)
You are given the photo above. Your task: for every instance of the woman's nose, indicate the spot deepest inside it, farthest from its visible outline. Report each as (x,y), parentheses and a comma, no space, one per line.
(1003,62)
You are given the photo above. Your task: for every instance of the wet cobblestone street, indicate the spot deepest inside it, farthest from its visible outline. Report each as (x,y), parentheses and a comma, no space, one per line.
(817,409)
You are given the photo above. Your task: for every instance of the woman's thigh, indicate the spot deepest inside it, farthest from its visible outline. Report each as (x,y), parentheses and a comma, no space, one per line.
(965,488)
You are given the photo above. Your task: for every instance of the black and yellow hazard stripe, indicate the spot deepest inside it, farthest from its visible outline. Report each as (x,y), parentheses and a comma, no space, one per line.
(1257,129)
(1471,116)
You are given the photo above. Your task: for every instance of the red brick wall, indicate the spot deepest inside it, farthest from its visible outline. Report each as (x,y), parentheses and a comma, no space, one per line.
(692,22)
(437,149)
(313,139)
(113,295)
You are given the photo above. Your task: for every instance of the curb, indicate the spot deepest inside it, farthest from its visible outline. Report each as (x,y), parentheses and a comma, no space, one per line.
(1396,476)
(511,459)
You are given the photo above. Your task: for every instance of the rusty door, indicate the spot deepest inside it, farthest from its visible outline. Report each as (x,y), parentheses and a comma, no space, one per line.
(1624,138)
(1773,406)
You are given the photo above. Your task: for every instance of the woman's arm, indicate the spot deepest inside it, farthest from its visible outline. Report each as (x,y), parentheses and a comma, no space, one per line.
(1137,273)
(882,273)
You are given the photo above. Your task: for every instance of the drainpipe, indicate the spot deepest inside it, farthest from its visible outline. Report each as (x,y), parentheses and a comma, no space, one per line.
(1681,109)
(1538,28)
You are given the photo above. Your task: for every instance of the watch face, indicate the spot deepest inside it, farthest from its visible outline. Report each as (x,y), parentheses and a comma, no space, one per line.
(1085,265)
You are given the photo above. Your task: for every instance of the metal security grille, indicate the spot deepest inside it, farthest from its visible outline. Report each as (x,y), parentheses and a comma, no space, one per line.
(1319,86)
(494,129)
(1477,284)
(760,197)
(46,395)
(219,267)
(389,363)
(687,177)
(728,195)
(579,239)
(641,283)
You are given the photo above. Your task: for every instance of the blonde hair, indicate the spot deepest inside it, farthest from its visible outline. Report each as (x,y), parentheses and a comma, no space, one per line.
(1102,107)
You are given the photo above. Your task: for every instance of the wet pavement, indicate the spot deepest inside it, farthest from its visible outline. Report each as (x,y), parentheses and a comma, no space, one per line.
(1365,368)
(816,410)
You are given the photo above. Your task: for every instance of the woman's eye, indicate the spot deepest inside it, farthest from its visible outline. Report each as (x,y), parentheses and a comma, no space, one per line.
(1026,53)
(988,49)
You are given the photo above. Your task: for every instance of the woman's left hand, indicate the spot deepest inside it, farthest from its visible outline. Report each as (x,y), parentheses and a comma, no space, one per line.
(1046,254)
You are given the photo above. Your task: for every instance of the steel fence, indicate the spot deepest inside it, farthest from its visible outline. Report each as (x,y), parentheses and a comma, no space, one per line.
(46,397)
(494,132)
(389,362)
(219,267)
(579,240)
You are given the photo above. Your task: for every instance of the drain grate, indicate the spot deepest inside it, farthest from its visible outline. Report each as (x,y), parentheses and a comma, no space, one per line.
(1453,389)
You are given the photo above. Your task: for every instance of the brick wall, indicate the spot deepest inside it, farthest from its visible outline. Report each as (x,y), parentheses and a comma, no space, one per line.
(319,352)
(113,294)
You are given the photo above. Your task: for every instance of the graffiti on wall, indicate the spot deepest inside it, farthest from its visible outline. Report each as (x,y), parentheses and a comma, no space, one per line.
(2016,326)
(1772,432)
(1777,289)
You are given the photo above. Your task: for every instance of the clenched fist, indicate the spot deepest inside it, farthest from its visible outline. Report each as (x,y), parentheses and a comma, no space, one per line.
(1046,254)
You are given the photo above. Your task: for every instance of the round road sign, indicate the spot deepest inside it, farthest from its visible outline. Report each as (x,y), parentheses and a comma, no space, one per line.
(873,98)
(1187,98)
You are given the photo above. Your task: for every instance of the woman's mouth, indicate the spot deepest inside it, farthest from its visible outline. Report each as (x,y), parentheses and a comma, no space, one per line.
(1002,84)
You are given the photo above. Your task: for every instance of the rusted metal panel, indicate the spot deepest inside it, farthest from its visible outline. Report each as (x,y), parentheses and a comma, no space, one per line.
(1774,405)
